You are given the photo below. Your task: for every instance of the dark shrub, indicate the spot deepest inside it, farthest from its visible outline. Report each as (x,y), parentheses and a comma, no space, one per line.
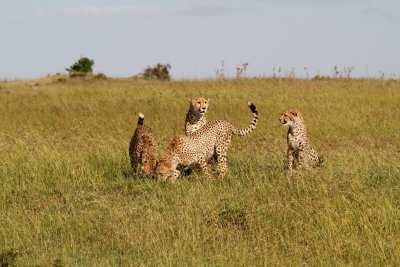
(158,72)
(83,66)
(100,76)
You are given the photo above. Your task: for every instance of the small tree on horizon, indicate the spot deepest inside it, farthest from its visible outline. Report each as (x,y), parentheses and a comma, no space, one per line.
(83,66)
(158,72)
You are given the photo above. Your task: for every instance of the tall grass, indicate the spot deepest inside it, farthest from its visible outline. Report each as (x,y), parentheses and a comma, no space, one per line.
(67,196)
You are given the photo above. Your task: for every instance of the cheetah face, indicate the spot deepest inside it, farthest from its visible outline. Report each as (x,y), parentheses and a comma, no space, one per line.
(163,171)
(148,167)
(288,117)
(199,104)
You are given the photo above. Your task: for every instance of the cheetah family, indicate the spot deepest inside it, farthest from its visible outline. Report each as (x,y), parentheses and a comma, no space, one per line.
(204,140)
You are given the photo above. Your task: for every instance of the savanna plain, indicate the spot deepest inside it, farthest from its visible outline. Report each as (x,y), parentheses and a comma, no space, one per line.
(67,195)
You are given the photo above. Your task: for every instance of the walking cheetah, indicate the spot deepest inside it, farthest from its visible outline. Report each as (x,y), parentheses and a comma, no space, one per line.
(198,147)
(142,149)
(195,118)
(299,150)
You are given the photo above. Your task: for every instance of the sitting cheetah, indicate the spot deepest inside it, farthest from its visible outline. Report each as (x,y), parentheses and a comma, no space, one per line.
(299,150)
(142,149)
(195,118)
(198,147)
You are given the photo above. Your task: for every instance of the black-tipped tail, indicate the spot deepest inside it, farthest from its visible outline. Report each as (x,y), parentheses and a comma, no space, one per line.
(141,119)
(253,124)
(252,108)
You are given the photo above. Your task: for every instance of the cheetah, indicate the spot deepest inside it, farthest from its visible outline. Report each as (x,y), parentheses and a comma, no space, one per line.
(142,149)
(299,150)
(199,147)
(195,117)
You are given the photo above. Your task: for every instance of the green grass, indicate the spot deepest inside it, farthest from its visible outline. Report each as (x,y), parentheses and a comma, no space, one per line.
(67,196)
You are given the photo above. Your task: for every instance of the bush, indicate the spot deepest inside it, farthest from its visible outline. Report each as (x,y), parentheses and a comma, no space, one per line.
(158,72)
(82,66)
(321,77)
(100,76)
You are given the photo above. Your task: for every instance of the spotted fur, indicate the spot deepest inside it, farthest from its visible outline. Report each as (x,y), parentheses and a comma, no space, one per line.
(300,154)
(195,117)
(142,149)
(199,147)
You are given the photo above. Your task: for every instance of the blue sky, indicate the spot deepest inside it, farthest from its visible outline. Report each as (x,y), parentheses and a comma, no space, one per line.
(123,37)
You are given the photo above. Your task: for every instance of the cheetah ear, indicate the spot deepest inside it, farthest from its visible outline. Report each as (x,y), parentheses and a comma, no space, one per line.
(189,99)
(208,100)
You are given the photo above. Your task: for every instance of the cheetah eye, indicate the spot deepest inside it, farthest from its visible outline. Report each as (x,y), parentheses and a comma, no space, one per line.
(199,103)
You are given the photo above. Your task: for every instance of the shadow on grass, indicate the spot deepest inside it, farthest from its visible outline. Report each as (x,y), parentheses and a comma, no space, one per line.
(8,257)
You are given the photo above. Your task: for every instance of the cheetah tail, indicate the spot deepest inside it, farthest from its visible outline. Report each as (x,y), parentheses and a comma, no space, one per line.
(141,119)
(253,124)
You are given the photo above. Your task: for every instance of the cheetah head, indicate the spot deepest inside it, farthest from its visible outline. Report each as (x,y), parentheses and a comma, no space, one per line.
(199,105)
(148,166)
(163,170)
(289,117)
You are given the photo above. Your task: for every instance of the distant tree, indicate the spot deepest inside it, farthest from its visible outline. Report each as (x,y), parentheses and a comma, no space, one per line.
(241,71)
(100,76)
(158,72)
(83,66)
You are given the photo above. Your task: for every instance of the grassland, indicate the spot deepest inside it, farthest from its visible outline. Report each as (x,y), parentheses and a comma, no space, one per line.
(67,196)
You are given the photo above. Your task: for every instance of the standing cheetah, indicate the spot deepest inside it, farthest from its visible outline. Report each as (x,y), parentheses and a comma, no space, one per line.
(299,150)
(195,117)
(198,147)
(142,149)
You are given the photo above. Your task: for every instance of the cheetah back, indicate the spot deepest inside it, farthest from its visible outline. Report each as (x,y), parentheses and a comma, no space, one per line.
(143,150)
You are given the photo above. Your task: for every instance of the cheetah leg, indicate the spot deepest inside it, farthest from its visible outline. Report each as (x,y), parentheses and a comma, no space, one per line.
(222,165)
(142,165)
(222,162)
(134,164)
(174,171)
(221,151)
(174,176)
(290,159)
(204,168)
(314,159)
(302,162)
